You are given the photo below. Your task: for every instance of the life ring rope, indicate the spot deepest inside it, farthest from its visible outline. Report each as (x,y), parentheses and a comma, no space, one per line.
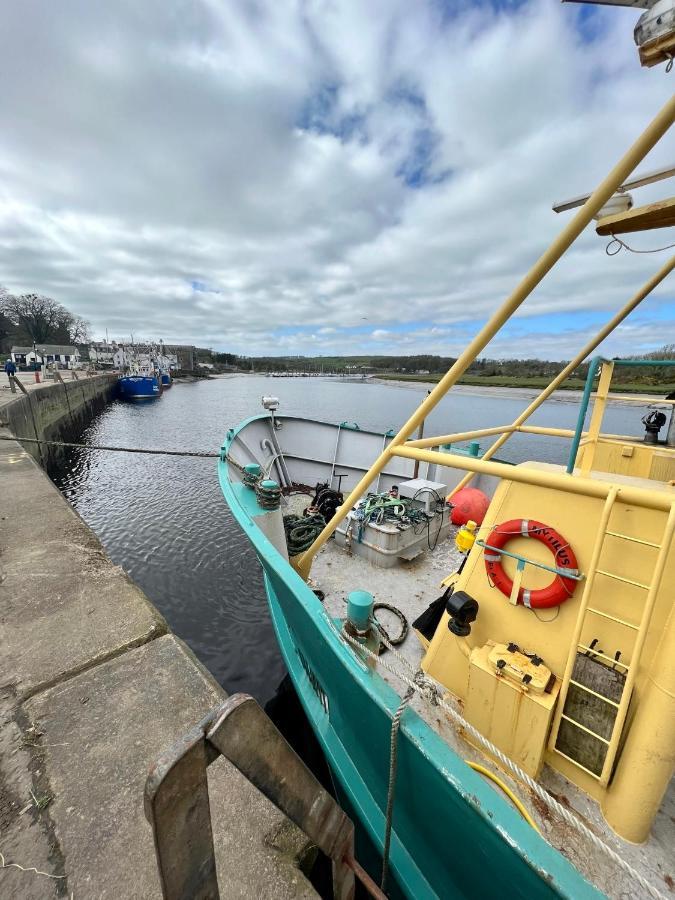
(564,583)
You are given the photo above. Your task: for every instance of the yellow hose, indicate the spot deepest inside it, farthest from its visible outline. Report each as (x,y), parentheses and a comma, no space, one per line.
(507,790)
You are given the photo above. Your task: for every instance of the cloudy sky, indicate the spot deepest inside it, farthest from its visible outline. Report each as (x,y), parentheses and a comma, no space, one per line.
(318,176)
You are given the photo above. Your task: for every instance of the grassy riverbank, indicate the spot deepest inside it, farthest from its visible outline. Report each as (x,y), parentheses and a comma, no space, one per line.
(537,382)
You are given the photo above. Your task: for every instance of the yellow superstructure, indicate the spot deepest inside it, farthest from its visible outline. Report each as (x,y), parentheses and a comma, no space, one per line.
(625,569)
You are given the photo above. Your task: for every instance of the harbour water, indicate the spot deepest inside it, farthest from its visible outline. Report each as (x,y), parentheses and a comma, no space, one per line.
(164,521)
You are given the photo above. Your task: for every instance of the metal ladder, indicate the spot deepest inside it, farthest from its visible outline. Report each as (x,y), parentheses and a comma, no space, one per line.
(639,628)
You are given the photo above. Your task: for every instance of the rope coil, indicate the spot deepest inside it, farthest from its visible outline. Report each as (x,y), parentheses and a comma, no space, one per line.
(302,531)
(250,480)
(268,495)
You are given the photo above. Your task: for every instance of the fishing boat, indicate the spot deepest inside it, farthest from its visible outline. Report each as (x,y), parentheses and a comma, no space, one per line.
(495,701)
(141,383)
(166,380)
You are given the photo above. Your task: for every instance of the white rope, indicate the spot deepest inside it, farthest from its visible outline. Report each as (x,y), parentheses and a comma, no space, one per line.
(622,245)
(6,865)
(393,765)
(428,690)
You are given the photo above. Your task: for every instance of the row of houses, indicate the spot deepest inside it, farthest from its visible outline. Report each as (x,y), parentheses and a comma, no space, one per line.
(105,355)
(64,355)
(118,355)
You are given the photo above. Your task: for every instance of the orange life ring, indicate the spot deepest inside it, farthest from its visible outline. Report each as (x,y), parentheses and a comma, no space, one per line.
(559,589)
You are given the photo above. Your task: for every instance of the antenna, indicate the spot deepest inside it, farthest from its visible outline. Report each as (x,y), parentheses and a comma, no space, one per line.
(638,181)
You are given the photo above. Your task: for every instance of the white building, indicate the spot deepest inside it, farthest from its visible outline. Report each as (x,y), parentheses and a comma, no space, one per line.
(124,356)
(65,356)
(102,354)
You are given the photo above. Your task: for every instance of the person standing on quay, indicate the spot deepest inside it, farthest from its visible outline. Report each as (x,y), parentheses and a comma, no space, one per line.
(10,371)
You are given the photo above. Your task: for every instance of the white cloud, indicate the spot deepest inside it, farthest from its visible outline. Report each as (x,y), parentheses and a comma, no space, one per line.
(313,165)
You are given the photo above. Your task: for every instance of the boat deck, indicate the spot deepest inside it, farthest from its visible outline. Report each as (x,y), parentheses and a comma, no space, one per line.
(410,587)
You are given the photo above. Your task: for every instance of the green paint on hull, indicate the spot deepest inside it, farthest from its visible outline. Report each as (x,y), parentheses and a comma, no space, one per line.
(453,836)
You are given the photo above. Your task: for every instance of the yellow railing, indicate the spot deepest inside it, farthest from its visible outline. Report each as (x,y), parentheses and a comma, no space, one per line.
(524,474)
(647,140)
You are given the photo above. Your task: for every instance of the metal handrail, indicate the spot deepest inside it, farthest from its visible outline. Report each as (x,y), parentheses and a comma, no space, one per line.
(593,368)
(523,474)
(557,570)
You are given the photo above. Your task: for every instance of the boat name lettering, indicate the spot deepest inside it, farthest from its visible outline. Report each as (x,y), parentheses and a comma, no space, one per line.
(314,681)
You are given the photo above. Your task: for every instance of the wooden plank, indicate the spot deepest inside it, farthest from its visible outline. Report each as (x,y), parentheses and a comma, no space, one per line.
(591,712)
(642,218)
(19,384)
(658,51)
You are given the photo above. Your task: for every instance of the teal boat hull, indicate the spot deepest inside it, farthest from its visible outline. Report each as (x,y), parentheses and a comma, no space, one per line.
(453,835)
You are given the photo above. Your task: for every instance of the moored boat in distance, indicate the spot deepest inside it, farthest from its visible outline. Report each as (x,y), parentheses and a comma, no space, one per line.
(166,380)
(544,666)
(142,383)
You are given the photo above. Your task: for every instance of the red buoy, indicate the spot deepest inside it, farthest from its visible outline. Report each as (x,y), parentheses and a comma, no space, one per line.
(469,504)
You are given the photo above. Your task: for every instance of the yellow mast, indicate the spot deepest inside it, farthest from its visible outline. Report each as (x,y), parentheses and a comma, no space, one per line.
(647,140)
(635,300)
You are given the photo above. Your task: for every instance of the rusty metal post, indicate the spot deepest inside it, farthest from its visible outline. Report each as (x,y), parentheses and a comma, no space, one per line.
(177,800)
(177,807)
(249,739)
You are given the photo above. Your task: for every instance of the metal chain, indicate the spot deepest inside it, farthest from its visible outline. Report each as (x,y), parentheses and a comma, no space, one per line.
(421,684)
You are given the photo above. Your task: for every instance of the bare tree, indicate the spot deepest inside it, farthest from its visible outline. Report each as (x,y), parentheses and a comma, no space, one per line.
(37,315)
(42,318)
(79,330)
(6,326)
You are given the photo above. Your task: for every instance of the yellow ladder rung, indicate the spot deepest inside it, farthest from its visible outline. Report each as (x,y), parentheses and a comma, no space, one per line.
(599,612)
(595,693)
(645,587)
(634,540)
(591,652)
(577,764)
(583,728)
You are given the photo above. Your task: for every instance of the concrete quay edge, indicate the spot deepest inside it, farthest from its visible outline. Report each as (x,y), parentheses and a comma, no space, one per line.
(92,688)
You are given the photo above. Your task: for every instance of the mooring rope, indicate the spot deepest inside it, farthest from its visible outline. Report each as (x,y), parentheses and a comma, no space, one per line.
(199,454)
(420,683)
(268,495)
(302,531)
(393,766)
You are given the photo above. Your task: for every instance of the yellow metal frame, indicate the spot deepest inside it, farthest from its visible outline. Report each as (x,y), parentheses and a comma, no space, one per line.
(597,416)
(647,140)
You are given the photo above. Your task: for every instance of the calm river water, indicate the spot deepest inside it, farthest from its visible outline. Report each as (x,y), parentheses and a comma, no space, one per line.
(165,522)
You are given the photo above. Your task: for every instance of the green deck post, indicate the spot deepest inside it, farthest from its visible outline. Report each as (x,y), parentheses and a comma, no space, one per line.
(588,388)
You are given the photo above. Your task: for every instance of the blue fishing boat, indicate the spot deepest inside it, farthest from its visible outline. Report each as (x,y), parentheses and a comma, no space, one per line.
(142,383)
(516,737)
(139,387)
(166,380)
